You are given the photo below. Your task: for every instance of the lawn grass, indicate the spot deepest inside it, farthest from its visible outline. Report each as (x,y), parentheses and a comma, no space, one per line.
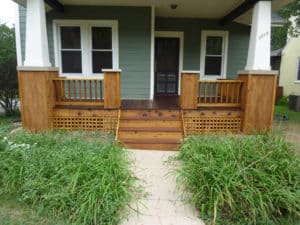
(283,110)
(62,178)
(241,180)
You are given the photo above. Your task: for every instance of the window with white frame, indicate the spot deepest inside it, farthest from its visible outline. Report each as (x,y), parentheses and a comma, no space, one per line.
(84,48)
(214,46)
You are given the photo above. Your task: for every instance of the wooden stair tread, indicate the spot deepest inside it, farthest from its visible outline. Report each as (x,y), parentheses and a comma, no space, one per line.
(154,129)
(150,118)
(151,141)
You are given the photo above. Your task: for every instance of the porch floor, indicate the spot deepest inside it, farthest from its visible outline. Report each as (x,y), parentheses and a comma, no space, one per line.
(161,102)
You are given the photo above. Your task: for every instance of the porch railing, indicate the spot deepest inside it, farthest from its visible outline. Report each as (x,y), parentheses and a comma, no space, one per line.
(79,91)
(219,93)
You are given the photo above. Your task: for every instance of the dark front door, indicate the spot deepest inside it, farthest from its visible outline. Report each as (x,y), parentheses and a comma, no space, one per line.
(166,66)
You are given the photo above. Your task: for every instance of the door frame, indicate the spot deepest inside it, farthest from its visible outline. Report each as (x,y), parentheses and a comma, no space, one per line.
(171,34)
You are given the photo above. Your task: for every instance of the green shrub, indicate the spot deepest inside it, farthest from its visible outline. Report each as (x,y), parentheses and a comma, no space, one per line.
(284,101)
(241,180)
(80,181)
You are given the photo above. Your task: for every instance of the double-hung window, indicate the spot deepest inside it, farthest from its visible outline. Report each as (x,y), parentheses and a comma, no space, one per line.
(214,46)
(298,71)
(84,48)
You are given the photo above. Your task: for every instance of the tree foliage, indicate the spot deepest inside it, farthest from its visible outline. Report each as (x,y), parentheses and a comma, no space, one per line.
(279,34)
(8,72)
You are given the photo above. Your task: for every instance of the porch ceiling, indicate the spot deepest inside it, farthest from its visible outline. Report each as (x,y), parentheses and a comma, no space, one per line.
(213,9)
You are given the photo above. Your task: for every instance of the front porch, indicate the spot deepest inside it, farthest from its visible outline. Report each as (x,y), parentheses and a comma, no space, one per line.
(204,106)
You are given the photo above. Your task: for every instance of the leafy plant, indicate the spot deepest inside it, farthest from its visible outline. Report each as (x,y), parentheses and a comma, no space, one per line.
(80,181)
(241,180)
(8,71)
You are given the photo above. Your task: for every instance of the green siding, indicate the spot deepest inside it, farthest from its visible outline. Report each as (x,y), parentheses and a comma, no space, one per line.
(237,45)
(134,42)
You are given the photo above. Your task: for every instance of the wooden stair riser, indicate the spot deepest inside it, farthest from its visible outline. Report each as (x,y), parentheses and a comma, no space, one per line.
(151,114)
(150,123)
(167,147)
(146,134)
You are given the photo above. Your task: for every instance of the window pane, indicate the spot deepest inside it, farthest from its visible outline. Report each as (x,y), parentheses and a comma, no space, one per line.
(213,65)
(298,77)
(214,45)
(101,60)
(70,37)
(71,61)
(102,38)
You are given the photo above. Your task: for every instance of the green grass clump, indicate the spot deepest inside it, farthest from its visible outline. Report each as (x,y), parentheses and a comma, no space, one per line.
(241,180)
(83,182)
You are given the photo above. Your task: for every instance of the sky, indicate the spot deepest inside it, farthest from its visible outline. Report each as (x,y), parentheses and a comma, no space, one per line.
(7,12)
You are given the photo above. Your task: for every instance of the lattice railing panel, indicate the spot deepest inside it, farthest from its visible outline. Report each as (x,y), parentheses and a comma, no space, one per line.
(200,125)
(100,123)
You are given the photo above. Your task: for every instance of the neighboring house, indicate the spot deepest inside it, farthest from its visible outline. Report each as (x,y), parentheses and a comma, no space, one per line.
(290,67)
(146,50)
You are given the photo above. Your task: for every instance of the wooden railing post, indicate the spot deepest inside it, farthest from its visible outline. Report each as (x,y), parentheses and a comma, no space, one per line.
(189,89)
(112,92)
(257,100)
(37,96)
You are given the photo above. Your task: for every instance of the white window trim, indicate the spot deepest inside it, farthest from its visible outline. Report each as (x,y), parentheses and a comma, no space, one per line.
(86,44)
(216,33)
(174,34)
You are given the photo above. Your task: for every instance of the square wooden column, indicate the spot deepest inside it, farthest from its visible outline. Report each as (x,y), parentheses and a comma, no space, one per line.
(257,100)
(37,97)
(189,89)
(112,90)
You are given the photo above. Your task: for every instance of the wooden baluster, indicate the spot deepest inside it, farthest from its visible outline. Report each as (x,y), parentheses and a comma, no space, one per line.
(238,93)
(232,93)
(216,96)
(69,90)
(210,92)
(222,91)
(199,91)
(95,87)
(84,89)
(205,90)
(62,96)
(80,90)
(101,92)
(227,93)
(91,93)
(75,92)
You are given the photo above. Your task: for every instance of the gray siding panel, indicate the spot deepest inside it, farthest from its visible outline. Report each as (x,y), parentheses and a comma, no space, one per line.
(237,44)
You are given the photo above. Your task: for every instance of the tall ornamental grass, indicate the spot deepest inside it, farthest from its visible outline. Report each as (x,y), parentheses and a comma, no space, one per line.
(241,180)
(83,182)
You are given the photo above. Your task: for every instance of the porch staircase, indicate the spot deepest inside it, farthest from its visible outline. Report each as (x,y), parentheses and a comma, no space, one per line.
(157,129)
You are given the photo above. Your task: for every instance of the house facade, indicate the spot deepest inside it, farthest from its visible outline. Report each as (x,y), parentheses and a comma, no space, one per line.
(290,67)
(206,63)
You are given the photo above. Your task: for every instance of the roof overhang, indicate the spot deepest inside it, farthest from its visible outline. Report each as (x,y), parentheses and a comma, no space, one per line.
(185,8)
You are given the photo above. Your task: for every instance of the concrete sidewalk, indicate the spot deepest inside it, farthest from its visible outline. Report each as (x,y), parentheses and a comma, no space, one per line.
(162,204)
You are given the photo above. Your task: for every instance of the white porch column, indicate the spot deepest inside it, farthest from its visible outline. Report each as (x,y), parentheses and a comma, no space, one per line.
(260,38)
(36,52)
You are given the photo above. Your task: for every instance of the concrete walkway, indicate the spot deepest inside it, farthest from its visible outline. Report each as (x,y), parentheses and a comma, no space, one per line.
(162,204)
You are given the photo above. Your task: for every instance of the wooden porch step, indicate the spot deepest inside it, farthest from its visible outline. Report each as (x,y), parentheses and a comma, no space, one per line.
(150,129)
(150,123)
(146,146)
(151,114)
(157,129)
(153,135)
